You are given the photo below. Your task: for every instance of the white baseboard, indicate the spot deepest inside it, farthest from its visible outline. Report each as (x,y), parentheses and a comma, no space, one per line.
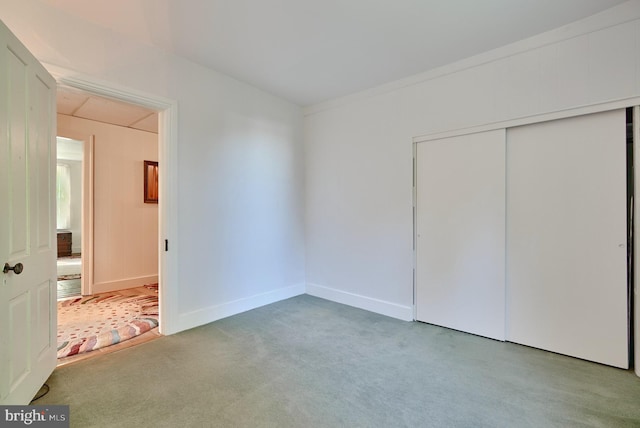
(103,287)
(382,307)
(213,313)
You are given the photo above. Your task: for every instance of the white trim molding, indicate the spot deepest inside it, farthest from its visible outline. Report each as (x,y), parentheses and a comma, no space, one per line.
(393,310)
(623,13)
(538,118)
(121,284)
(214,313)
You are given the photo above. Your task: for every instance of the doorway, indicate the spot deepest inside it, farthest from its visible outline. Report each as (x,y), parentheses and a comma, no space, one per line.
(69,216)
(168,185)
(119,230)
(165,114)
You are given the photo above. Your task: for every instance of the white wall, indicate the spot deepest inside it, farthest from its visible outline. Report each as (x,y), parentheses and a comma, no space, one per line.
(359,148)
(240,163)
(125,241)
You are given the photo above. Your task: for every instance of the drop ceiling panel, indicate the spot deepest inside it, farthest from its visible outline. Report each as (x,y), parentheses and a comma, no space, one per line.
(76,103)
(149,123)
(69,101)
(110,111)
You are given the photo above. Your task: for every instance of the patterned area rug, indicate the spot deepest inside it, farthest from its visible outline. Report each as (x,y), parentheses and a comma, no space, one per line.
(93,322)
(152,287)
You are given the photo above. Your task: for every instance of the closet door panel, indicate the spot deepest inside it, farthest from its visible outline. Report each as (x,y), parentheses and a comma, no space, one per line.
(566,237)
(460,233)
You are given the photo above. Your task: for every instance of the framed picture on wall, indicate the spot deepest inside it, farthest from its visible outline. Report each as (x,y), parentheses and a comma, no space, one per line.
(150,182)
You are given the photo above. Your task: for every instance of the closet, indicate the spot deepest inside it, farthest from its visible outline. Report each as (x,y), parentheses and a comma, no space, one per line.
(521,235)
(460,233)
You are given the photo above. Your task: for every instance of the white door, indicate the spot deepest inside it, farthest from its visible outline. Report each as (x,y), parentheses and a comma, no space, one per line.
(27,222)
(566,237)
(460,233)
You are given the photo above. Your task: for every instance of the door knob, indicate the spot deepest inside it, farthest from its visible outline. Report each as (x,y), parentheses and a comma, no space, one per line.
(17,268)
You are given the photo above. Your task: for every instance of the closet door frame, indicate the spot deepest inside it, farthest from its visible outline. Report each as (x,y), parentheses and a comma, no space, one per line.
(632,102)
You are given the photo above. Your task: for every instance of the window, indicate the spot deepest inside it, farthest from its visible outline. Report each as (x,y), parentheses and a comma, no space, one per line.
(63,196)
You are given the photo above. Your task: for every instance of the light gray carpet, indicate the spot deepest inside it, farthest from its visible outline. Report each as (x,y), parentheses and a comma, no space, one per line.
(306,362)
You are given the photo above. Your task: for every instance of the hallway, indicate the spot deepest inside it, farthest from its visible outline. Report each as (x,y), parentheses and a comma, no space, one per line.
(69,276)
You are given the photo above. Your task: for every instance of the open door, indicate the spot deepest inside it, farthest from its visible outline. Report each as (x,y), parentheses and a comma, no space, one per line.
(27,222)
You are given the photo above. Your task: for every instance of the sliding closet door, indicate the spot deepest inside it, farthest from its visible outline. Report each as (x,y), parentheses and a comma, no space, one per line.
(460,233)
(566,237)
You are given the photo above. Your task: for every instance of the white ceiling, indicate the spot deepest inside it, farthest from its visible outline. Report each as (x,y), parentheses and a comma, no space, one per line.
(76,103)
(308,51)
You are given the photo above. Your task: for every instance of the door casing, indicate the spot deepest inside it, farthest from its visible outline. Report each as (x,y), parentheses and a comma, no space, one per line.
(168,180)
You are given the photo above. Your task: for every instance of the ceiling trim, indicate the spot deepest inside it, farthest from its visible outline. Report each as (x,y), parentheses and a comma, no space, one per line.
(622,14)
(536,118)
(106,89)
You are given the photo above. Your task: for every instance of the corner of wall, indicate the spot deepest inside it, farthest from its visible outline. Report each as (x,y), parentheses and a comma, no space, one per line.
(210,314)
(393,310)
